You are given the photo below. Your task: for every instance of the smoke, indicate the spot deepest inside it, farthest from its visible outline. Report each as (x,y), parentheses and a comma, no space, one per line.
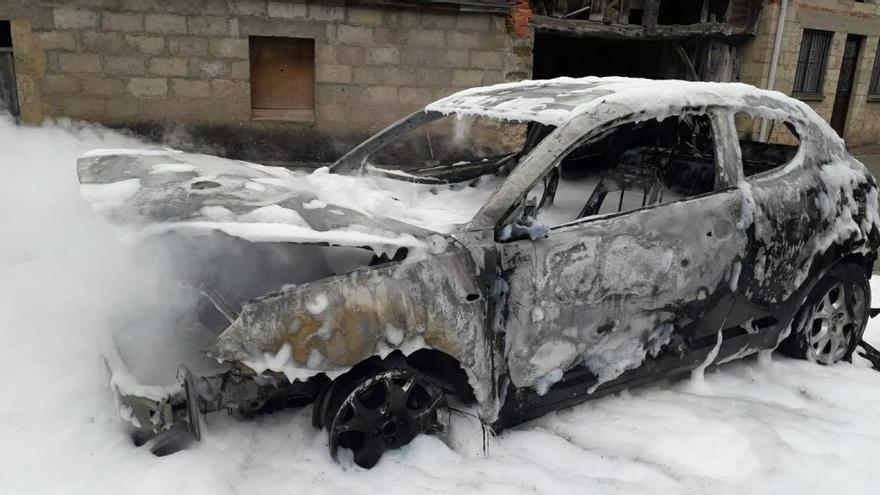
(65,276)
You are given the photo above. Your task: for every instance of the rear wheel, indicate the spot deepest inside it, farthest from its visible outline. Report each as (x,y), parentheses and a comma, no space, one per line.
(830,324)
(381,411)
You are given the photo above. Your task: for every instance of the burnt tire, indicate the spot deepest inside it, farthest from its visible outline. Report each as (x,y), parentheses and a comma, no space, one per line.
(830,323)
(380,411)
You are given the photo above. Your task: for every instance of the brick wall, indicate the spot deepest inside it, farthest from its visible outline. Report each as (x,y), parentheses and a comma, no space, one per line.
(841,17)
(141,62)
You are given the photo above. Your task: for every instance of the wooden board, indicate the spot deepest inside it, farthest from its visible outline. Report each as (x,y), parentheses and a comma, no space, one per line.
(282,73)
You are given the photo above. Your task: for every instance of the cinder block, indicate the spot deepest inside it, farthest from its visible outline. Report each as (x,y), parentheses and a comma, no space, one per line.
(83,107)
(433,77)
(240,70)
(79,62)
(190,88)
(168,67)
(354,34)
(248,7)
(472,22)
(380,94)
(230,90)
(208,26)
(188,46)
(66,18)
(60,84)
(229,47)
(367,75)
(165,24)
(122,108)
(287,10)
(467,77)
(125,65)
(383,55)
(486,60)
(333,74)
(414,96)
(398,76)
(97,85)
(439,20)
(428,57)
(326,12)
(365,16)
(146,43)
(458,39)
(55,40)
(208,68)
(101,42)
(114,21)
(426,37)
(147,86)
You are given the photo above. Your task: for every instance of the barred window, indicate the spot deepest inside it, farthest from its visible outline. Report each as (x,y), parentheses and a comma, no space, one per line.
(812,61)
(874,87)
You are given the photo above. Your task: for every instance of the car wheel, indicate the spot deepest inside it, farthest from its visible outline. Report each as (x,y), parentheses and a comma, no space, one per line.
(383,411)
(832,319)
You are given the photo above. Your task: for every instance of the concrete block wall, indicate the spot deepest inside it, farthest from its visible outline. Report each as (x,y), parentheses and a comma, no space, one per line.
(841,17)
(186,61)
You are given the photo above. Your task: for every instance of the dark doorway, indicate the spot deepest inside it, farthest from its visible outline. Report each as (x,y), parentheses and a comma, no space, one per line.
(845,82)
(8,93)
(578,57)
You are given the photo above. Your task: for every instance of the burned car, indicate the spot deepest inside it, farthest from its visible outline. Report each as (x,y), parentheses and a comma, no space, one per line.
(572,238)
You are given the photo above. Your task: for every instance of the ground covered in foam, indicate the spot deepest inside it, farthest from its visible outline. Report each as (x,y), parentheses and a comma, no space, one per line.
(783,427)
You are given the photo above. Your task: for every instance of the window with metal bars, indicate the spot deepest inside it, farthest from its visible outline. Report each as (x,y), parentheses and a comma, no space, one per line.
(813,58)
(874,87)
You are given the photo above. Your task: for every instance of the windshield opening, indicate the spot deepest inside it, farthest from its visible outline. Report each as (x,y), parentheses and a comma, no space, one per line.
(452,149)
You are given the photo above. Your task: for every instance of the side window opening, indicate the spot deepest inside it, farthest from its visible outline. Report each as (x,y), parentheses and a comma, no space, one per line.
(628,167)
(765,144)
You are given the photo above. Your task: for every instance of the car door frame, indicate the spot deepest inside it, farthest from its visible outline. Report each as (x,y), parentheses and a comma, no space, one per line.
(524,403)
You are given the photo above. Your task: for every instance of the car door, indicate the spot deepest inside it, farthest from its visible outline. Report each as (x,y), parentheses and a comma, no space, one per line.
(605,291)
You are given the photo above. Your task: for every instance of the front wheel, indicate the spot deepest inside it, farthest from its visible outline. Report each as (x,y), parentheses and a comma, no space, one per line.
(383,411)
(830,324)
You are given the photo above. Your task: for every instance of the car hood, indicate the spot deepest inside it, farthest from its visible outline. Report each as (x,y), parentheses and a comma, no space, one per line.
(143,193)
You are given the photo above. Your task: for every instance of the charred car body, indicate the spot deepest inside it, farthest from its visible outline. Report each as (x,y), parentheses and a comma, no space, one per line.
(630,231)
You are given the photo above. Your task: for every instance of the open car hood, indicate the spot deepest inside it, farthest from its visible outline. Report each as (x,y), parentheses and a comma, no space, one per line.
(147,192)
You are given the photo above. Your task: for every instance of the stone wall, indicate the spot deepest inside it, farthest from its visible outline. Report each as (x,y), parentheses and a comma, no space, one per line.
(841,17)
(162,66)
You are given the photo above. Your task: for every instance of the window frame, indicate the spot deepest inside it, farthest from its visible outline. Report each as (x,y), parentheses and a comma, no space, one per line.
(728,170)
(874,81)
(7,59)
(801,87)
(802,137)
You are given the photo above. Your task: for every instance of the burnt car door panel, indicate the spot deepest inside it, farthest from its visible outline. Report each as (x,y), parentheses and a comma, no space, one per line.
(606,292)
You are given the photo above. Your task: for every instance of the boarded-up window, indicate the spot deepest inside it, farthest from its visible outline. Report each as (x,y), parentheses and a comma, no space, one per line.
(282,78)
(812,60)
(8,92)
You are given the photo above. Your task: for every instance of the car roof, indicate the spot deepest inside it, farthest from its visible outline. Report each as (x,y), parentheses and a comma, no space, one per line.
(557,101)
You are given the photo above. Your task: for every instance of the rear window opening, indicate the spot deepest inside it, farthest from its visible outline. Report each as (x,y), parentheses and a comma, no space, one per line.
(766,144)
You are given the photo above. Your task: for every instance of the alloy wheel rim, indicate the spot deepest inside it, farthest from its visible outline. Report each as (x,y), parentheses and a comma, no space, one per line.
(834,320)
(386,412)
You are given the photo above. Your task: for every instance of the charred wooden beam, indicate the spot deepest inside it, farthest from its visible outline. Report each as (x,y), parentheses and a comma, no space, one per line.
(589,29)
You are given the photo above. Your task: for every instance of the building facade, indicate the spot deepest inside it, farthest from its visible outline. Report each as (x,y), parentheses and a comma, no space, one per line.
(827,57)
(293,80)
(269,80)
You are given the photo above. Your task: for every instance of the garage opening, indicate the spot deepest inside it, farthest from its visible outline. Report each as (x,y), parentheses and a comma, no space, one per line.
(579,57)
(8,92)
(282,78)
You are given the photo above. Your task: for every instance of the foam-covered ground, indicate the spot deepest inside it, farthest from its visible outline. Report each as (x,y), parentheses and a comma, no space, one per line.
(783,427)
